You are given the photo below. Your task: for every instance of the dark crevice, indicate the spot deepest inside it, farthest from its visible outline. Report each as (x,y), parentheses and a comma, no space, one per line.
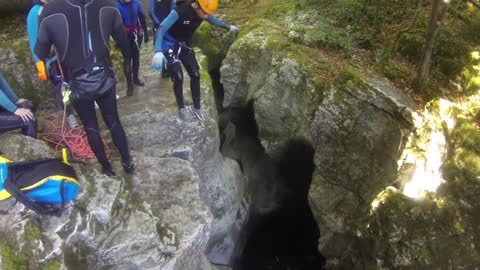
(217,88)
(278,230)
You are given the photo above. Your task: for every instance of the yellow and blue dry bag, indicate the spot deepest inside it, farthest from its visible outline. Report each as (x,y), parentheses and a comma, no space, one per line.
(44,186)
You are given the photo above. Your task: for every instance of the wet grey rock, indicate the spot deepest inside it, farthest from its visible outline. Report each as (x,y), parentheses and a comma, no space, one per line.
(158,218)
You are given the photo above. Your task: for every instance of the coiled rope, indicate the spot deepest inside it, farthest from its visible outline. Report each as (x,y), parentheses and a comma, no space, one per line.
(75,139)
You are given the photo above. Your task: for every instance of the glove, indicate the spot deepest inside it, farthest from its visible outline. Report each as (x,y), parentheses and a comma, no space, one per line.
(233,29)
(158,61)
(42,74)
(145,37)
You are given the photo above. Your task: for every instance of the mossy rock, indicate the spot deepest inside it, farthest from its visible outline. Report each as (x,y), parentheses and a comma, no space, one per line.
(422,234)
(12,259)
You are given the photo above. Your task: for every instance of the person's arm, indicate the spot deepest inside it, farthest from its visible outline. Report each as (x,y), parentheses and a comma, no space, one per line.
(219,23)
(118,35)
(7,96)
(32,29)
(164,26)
(7,90)
(172,5)
(6,103)
(141,17)
(151,6)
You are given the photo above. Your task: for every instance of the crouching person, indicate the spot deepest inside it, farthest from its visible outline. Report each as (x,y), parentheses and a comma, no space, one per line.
(15,113)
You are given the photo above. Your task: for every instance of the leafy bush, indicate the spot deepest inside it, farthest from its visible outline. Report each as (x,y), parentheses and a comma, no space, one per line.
(410,46)
(451,53)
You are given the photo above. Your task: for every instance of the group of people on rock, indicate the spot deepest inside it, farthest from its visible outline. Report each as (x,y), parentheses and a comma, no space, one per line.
(70,45)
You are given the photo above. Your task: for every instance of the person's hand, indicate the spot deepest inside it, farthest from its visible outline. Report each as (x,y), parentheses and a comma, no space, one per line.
(145,37)
(158,61)
(233,29)
(25,114)
(20,100)
(42,74)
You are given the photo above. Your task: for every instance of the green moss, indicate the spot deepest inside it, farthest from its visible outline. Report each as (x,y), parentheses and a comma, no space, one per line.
(466,135)
(52,265)
(203,39)
(32,233)
(349,79)
(9,26)
(315,95)
(12,259)
(426,233)
(167,235)
(117,59)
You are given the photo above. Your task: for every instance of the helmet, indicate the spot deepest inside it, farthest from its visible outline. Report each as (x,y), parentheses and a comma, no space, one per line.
(208,6)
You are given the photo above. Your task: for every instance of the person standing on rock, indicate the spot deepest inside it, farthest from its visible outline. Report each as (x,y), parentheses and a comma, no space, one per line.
(132,13)
(50,70)
(159,10)
(173,45)
(15,112)
(80,30)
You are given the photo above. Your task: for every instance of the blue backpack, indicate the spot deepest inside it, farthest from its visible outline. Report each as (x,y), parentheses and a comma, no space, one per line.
(44,186)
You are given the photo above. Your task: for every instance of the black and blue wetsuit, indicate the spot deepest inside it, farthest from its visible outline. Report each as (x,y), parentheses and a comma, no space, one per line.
(132,13)
(174,39)
(52,65)
(80,30)
(8,106)
(159,10)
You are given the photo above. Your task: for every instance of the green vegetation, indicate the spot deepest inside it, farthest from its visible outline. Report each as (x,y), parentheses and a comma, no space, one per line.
(419,234)
(52,265)
(391,31)
(32,233)
(12,259)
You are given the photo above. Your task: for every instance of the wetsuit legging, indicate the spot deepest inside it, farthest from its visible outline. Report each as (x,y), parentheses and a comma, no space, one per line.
(9,121)
(135,52)
(108,106)
(186,55)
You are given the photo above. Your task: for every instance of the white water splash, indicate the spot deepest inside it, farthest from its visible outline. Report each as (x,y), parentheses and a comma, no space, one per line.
(427,176)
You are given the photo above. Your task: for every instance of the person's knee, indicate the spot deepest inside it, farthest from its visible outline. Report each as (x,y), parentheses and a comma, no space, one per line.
(30,128)
(27,104)
(177,76)
(110,121)
(194,75)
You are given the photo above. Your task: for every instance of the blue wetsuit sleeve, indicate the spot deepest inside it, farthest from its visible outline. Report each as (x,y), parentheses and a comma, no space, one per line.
(7,96)
(164,26)
(172,6)
(32,29)
(151,6)
(217,22)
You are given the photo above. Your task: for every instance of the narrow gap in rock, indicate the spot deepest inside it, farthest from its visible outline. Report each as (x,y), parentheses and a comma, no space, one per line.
(280,231)
(217,88)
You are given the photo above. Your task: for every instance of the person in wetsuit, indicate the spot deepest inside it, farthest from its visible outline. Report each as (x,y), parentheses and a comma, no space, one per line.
(15,113)
(80,30)
(173,45)
(159,10)
(132,13)
(51,69)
